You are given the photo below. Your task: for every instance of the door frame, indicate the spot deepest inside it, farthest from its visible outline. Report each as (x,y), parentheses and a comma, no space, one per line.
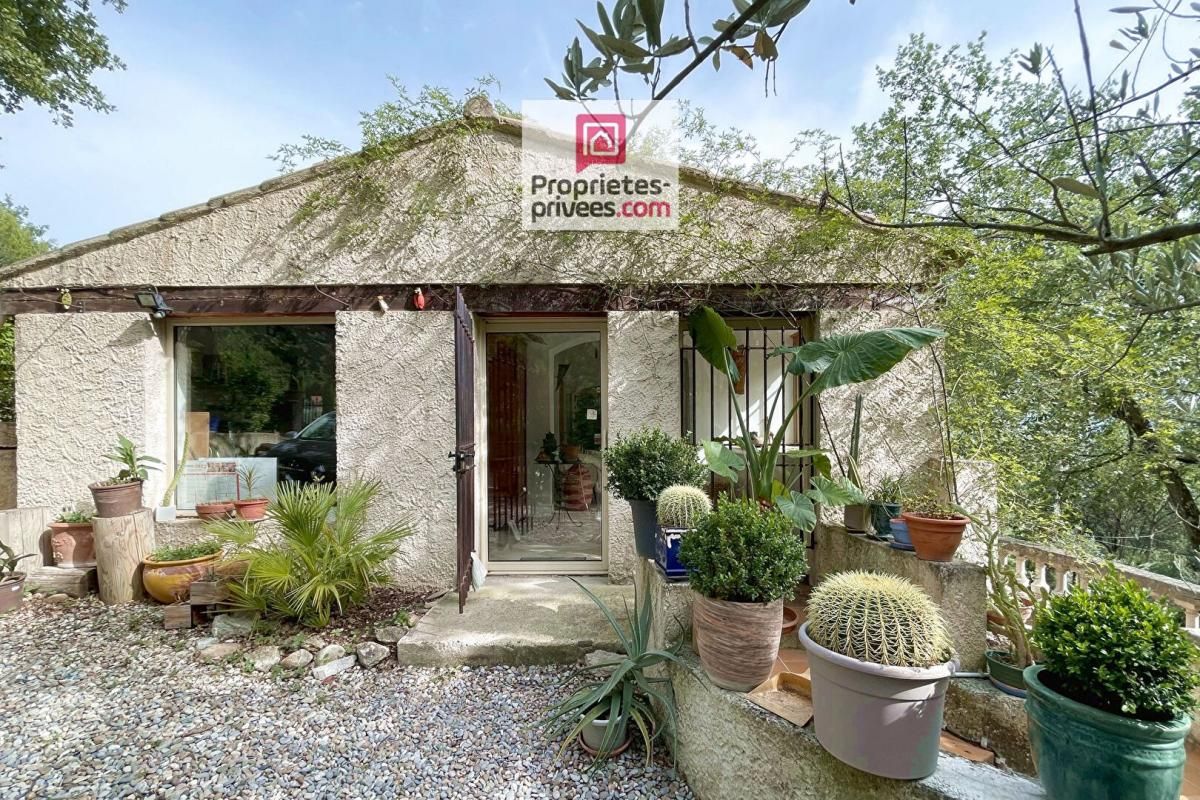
(534,324)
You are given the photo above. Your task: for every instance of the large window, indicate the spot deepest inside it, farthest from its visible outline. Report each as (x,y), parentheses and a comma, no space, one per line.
(253,396)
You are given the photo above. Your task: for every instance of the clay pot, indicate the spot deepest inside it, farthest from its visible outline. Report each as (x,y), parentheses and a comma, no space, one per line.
(218,510)
(737,642)
(577,488)
(251,509)
(12,592)
(72,544)
(570,452)
(118,500)
(935,538)
(171,581)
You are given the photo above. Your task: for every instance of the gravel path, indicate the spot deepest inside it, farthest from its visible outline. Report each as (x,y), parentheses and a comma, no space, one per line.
(100,702)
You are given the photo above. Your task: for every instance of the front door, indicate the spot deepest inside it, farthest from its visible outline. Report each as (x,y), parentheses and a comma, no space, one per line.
(545,417)
(464,446)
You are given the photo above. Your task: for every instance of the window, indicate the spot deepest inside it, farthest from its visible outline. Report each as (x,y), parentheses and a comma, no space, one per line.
(258,396)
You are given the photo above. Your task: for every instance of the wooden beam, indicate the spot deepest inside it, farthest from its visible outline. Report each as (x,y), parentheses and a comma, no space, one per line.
(508,298)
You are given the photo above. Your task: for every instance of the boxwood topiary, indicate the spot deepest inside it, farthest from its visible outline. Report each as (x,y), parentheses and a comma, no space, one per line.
(647,461)
(1114,647)
(745,553)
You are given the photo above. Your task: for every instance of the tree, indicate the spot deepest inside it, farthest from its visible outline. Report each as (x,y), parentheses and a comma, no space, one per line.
(49,50)
(19,239)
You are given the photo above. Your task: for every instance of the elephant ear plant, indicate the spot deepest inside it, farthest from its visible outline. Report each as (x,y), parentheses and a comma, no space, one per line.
(839,360)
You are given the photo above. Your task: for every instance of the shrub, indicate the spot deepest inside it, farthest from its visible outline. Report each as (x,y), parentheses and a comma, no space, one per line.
(321,561)
(745,553)
(644,463)
(681,506)
(1114,647)
(881,619)
(74,517)
(183,552)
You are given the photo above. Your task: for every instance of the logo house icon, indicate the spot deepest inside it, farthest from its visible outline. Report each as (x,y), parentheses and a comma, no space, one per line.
(599,139)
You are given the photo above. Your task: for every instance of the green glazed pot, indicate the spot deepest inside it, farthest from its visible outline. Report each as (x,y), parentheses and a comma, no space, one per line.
(1083,753)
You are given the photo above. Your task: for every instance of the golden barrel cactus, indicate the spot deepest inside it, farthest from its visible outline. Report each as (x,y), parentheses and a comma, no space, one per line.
(878,618)
(682,506)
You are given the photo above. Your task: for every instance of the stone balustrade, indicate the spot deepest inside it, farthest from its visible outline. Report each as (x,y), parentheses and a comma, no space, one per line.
(1054,570)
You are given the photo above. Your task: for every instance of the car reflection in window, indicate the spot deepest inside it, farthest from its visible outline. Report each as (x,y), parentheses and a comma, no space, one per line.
(307,456)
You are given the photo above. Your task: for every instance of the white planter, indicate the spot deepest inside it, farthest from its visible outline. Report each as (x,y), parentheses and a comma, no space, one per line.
(593,733)
(164,514)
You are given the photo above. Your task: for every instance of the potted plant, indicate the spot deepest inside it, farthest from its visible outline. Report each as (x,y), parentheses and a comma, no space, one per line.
(617,695)
(880,661)
(166,509)
(935,526)
(72,543)
(168,573)
(885,505)
(252,506)
(640,466)
(1109,706)
(121,494)
(854,515)
(12,583)
(743,559)
(214,509)
(680,509)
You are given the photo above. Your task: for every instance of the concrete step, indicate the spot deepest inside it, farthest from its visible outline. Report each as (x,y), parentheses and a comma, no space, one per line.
(517,620)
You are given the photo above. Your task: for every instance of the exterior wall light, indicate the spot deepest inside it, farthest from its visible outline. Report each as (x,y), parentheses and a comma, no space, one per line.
(153,302)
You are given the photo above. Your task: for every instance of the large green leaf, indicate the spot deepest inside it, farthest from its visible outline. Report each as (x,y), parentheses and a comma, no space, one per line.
(835,492)
(799,509)
(722,461)
(855,357)
(714,339)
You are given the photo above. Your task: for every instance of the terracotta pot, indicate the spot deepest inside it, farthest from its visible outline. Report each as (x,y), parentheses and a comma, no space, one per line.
(737,642)
(171,581)
(934,538)
(577,488)
(570,452)
(12,591)
(251,509)
(791,620)
(219,510)
(119,500)
(72,544)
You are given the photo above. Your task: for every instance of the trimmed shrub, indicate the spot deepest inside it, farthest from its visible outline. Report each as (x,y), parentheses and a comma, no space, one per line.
(644,463)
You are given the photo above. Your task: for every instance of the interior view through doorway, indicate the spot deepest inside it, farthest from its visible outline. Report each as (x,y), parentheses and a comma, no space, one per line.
(545,418)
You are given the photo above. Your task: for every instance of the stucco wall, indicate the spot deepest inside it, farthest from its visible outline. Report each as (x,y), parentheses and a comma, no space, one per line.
(643,390)
(83,379)
(395,383)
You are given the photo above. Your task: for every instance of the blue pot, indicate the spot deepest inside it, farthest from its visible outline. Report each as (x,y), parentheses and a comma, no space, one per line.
(666,553)
(900,539)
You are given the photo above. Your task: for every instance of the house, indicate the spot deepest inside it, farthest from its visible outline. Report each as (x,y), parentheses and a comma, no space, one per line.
(386,315)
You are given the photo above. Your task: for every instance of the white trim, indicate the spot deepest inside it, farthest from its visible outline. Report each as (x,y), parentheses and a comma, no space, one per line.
(535,325)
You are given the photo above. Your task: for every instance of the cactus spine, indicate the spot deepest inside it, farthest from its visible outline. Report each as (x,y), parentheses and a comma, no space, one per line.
(882,619)
(682,506)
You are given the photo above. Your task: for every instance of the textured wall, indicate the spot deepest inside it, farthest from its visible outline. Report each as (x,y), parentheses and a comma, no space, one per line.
(395,384)
(643,390)
(82,379)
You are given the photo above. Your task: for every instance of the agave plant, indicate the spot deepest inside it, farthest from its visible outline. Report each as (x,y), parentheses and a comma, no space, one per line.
(9,561)
(839,360)
(321,561)
(626,692)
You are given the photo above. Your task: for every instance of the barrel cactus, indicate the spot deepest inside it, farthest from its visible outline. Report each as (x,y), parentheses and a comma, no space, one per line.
(882,619)
(682,506)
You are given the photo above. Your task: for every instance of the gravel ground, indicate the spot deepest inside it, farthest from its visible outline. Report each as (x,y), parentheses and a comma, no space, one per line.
(101,702)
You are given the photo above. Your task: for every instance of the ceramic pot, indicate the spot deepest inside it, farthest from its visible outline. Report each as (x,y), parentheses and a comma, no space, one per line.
(251,509)
(119,500)
(855,519)
(935,538)
(645,526)
(737,642)
(592,736)
(900,540)
(12,591)
(666,553)
(72,544)
(883,720)
(1003,674)
(1083,753)
(171,581)
(881,518)
(215,510)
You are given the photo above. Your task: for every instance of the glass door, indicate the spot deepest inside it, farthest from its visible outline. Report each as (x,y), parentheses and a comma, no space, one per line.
(545,418)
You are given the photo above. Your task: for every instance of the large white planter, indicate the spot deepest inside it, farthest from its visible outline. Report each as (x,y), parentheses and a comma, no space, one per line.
(882,720)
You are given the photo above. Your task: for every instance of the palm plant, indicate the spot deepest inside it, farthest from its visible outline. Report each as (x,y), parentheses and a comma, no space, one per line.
(321,560)
(625,693)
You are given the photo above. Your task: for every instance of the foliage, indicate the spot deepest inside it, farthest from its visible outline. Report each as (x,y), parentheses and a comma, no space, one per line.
(1008,595)
(852,462)
(881,619)
(890,489)
(169,493)
(619,688)
(135,466)
(9,561)
(745,553)
(322,561)
(1114,647)
(647,461)
(19,239)
(831,362)
(50,50)
(248,478)
(74,517)
(184,552)
(682,506)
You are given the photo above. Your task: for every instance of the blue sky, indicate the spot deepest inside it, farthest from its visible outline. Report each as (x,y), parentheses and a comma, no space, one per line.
(212,88)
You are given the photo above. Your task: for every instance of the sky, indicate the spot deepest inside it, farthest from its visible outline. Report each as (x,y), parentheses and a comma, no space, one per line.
(212,88)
